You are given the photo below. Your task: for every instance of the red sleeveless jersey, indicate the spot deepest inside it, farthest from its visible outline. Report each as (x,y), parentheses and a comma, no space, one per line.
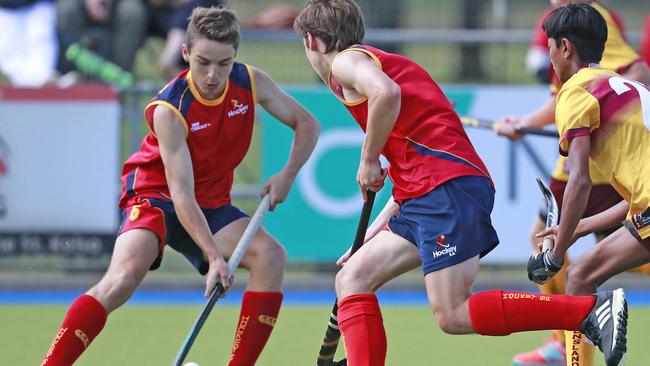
(218,135)
(428,145)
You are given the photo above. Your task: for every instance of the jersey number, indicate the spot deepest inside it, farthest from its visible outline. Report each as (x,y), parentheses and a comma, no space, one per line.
(620,86)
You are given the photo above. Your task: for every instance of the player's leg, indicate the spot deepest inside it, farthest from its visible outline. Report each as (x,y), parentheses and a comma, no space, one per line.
(551,352)
(616,253)
(265,259)
(384,257)
(134,252)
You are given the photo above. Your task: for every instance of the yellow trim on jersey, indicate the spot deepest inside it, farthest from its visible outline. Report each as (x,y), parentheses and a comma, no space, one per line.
(197,95)
(251,76)
(171,108)
(329,77)
(448,153)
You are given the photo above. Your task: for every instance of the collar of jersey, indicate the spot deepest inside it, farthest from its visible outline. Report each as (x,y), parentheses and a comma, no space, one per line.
(197,95)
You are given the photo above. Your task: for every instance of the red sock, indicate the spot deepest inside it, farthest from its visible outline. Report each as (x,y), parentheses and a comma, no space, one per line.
(362,326)
(83,321)
(259,311)
(500,313)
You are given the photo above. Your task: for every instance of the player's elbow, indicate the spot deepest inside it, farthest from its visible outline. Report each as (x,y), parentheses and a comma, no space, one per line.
(581,182)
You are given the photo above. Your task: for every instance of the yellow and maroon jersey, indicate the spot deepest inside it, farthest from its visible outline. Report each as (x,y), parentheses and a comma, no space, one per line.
(615,113)
(428,145)
(218,134)
(618,56)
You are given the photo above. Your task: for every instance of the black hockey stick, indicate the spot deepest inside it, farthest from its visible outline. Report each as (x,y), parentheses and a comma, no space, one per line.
(482,123)
(333,334)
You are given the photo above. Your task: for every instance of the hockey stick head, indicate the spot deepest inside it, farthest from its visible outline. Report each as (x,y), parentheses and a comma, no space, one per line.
(552,211)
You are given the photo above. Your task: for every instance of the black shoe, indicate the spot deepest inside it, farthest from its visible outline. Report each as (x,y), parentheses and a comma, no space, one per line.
(606,326)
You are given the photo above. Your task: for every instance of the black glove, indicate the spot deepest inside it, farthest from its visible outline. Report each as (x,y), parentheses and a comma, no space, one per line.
(542,266)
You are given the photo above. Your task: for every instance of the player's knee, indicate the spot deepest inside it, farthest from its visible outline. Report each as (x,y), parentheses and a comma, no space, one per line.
(269,255)
(447,322)
(580,279)
(353,280)
(115,289)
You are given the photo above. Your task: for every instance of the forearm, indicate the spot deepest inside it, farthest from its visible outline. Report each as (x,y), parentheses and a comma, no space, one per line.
(304,141)
(383,109)
(543,116)
(194,222)
(575,199)
(604,220)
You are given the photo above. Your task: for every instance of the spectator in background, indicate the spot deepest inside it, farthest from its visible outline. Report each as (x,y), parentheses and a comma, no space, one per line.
(114,29)
(645,41)
(169,19)
(28,47)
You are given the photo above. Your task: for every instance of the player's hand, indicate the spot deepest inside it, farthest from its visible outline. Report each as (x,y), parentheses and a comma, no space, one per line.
(278,187)
(218,272)
(507,126)
(344,258)
(542,266)
(370,176)
(581,230)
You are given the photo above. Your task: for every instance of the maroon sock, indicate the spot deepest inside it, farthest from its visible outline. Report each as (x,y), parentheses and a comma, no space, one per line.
(362,326)
(83,321)
(500,312)
(259,311)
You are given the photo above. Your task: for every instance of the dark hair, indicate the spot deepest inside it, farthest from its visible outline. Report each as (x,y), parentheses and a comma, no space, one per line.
(215,24)
(338,23)
(583,26)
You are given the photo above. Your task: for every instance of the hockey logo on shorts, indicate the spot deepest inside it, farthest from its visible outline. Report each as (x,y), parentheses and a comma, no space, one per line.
(642,219)
(135,213)
(444,248)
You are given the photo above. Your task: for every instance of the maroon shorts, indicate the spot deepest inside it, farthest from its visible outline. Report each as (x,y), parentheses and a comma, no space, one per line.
(602,197)
(639,227)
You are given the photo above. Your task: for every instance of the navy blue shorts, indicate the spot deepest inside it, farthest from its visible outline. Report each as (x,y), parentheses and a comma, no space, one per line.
(159,216)
(450,224)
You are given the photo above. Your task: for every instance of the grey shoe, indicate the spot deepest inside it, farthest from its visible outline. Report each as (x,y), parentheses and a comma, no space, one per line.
(606,326)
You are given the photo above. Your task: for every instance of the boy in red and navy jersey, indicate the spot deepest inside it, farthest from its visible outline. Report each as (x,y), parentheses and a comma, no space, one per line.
(439,216)
(176,189)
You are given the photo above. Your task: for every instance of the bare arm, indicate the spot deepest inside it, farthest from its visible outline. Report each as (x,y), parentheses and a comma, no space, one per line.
(539,118)
(603,220)
(305,127)
(359,73)
(576,195)
(180,179)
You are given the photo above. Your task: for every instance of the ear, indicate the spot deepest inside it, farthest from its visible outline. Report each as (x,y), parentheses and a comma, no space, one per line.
(185,51)
(567,48)
(311,42)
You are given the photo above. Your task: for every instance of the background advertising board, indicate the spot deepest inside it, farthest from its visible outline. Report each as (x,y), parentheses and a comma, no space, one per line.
(59,176)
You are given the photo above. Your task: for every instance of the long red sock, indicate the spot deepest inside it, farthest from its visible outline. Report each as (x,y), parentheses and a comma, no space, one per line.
(500,312)
(362,326)
(83,321)
(259,311)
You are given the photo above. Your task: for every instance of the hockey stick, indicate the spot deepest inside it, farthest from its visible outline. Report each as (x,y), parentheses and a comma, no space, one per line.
(333,334)
(552,211)
(482,123)
(217,291)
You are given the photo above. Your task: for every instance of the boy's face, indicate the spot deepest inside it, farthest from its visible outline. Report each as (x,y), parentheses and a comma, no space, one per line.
(210,64)
(560,63)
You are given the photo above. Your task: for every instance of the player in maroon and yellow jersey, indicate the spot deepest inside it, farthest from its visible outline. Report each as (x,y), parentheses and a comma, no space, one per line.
(645,41)
(618,56)
(439,215)
(606,118)
(176,189)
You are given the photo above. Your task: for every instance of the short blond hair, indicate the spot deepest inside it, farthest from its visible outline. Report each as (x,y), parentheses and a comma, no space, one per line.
(338,23)
(215,24)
